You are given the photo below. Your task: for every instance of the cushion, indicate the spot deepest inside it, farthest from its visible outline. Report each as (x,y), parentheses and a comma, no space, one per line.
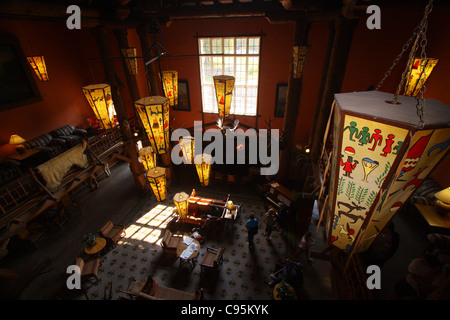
(63,131)
(80,132)
(40,141)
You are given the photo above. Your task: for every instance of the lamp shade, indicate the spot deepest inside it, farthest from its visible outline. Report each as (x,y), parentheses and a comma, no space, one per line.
(187,145)
(157,179)
(419,72)
(380,156)
(148,158)
(170,84)
(203,166)
(181,200)
(224,91)
(154,114)
(230,205)
(443,195)
(130,59)
(39,67)
(100,100)
(16,139)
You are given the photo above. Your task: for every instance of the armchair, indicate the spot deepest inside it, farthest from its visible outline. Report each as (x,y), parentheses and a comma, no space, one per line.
(112,232)
(170,241)
(88,269)
(212,259)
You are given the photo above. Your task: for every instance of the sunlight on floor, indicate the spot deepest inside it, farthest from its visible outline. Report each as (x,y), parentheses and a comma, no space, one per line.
(150,226)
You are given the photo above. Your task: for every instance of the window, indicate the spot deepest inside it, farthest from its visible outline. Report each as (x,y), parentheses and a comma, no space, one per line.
(231,56)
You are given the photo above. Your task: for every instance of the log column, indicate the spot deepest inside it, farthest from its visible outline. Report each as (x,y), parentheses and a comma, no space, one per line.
(101,36)
(292,105)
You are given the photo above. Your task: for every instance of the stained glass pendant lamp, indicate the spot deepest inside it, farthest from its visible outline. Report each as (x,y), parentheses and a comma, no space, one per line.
(170,86)
(203,166)
(39,67)
(157,179)
(419,72)
(224,86)
(154,114)
(100,100)
(181,200)
(187,145)
(148,158)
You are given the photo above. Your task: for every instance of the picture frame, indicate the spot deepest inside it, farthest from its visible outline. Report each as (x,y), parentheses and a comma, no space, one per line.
(280,101)
(17,85)
(184,103)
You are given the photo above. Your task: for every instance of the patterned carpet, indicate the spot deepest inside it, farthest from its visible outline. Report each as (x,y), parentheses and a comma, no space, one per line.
(241,277)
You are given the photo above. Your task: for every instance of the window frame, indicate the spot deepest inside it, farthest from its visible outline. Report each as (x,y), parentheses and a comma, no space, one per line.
(207,87)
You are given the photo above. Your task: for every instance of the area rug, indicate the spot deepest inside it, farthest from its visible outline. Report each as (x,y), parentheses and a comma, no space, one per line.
(242,276)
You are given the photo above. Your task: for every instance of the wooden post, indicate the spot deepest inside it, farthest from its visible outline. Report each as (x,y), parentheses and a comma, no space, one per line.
(292,105)
(101,36)
(340,41)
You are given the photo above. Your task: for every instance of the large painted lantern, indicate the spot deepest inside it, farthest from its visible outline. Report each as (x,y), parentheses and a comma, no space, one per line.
(187,144)
(203,166)
(223,85)
(380,156)
(157,179)
(100,100)
(148,158)
(154,114)
(181,200)
(170,85)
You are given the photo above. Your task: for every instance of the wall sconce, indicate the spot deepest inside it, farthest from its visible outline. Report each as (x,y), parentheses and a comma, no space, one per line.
(157,178)
(154,114)
(380,156)
(203,166)
(17,141)
(39,67)
(100,100)
(170,85)
(224,91)
(187,145)
(130,55)
(299,55)
(148,158)
(181,200)
(419,72)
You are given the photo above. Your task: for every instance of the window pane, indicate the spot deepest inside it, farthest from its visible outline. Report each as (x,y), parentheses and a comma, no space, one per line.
(253,46)
(228,44)
(217,46)
(205,46)
(241,46)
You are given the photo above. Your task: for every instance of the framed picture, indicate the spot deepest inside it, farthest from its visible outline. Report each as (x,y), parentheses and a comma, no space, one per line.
(281,98)
(17,85)
(183,96)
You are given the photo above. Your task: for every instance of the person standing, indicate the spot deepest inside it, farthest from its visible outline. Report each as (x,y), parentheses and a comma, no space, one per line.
(252,228)
(270,220)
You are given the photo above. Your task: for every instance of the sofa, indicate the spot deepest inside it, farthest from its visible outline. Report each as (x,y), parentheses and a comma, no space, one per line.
(152,290)
(9,170)
(57,141)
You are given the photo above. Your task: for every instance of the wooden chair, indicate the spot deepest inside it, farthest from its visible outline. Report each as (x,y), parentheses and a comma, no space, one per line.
(212,259)
(88,269)
(170,241)
(112,232)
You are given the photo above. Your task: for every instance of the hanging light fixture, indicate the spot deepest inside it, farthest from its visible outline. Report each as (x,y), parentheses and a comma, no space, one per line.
(203,166)
(100,100)
(380,156)
(39,67)
(157,179)
(299,55)
(188,148)
(154,114)
(419,72)
(223,86)
(181,200)
(130,58)
(170,85)
(148,158)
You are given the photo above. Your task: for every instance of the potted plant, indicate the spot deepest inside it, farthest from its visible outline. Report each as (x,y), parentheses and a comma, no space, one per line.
(90,239)
(285,291)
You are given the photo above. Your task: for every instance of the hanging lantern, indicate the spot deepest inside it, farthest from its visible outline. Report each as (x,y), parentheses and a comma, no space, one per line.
(203,166)
(181,201)
(170,85)
(39,67)
(188,148)
(419,72)
(299,55)
(148,158)
(154,114)
(157,178)
(380,156)
(100,100)
(224,91)
(130,58)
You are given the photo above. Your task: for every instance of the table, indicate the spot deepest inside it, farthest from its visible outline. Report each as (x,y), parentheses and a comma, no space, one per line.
(230,216)
(99,246)
(276,294)
(192,258)
(28,158)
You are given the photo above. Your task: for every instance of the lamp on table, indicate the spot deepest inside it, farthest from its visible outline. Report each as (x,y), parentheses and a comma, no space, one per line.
(17,140)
